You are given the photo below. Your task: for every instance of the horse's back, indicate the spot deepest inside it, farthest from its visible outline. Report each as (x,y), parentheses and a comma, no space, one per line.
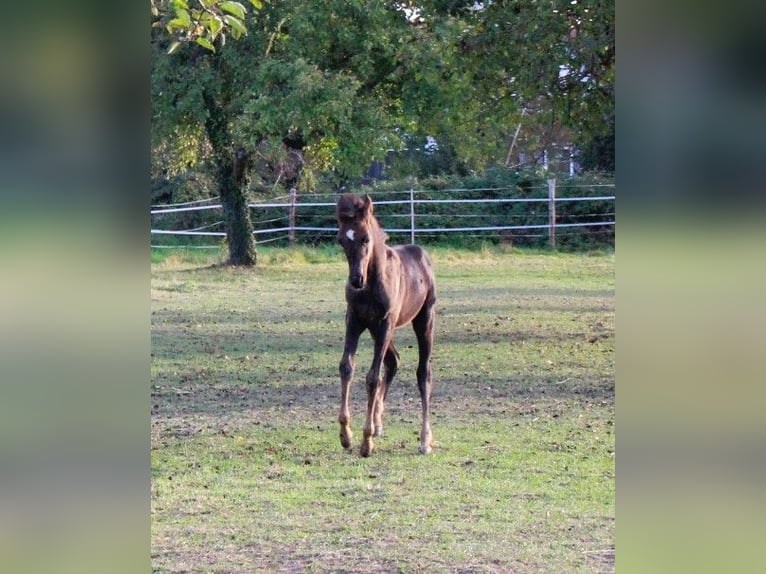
(415,261)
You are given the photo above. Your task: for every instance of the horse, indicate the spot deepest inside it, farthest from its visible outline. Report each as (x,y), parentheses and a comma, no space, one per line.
(387,287)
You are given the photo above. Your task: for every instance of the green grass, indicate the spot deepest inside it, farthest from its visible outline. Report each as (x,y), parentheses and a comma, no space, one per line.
(247,470)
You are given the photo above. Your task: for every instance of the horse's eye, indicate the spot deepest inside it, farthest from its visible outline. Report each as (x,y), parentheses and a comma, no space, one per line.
(366,240)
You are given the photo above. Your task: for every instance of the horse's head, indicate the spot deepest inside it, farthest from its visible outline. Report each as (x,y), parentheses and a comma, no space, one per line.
(356,235)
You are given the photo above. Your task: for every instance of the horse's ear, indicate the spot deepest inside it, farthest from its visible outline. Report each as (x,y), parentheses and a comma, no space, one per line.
(367,209)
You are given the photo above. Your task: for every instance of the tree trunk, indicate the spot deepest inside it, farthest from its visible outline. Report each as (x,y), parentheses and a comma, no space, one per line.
(239,229)
(231,171)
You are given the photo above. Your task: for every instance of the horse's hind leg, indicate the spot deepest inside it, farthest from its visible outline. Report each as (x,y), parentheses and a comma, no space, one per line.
(391,365)
(423,326)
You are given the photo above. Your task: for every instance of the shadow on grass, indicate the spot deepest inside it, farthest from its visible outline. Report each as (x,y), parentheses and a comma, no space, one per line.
(496,346)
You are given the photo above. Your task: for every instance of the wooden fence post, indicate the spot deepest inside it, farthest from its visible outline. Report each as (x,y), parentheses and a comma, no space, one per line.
(412,216)
(291,216)
(552,212)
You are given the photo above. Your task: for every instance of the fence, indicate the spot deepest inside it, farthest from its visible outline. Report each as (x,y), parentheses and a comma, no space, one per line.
(415,213)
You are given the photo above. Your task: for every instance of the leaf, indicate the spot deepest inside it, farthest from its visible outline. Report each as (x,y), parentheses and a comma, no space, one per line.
(205,43)
(238,28)
(177,23)
(215,24)
(174,46)
(180,4)
(183,15)
(257,4)
(234,8)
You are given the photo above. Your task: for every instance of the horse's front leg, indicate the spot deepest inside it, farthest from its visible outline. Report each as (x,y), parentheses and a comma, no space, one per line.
(375,387)
(353,331)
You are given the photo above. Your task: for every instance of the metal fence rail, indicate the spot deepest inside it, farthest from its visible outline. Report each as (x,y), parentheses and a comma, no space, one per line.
(290,205)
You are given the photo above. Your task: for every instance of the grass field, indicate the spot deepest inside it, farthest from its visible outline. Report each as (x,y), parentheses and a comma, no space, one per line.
(248,474)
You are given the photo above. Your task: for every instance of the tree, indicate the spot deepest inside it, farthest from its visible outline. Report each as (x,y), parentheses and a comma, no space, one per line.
(194,101)
(558,56)
(322,83)
(325,88)
(489,70)
(296,81)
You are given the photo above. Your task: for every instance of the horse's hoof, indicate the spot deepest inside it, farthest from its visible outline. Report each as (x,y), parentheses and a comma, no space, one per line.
(378,432)
(365,450)
(425,449)
(345,438)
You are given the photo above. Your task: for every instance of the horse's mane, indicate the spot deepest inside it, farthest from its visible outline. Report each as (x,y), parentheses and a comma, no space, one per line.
(376,229)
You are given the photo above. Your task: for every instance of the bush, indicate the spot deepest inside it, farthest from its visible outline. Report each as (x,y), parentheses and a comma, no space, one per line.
(501,183)
(494,183)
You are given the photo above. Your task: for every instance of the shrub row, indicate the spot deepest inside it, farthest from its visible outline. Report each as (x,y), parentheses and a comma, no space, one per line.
(493,184)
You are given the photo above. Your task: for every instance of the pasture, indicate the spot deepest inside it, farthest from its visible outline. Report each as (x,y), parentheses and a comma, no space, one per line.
(248,474)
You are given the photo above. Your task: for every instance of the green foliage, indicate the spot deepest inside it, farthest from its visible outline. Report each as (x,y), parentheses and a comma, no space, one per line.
(323,80)
(298,97)
(354,82)
(493,183)
(553,59)
(598,151)
(205,22)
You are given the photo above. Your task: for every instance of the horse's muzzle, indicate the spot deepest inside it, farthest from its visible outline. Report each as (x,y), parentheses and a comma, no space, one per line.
(356,281)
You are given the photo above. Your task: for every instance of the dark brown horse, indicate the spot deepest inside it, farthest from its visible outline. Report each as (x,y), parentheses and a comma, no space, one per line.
(387,287)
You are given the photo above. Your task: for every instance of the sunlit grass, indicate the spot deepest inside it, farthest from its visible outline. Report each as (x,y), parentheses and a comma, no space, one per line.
(247,470)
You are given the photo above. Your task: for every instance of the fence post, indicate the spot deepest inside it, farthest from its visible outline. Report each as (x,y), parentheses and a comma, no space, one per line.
(412,216)
(552,212)
(291,216)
